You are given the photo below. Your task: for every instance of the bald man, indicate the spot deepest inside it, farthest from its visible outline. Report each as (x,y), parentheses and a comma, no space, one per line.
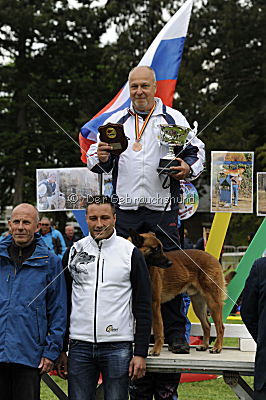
(69,236)
(32,307)
(148,201)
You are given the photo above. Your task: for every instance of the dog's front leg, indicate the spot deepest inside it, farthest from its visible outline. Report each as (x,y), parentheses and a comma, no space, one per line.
(157,321)
(157,324)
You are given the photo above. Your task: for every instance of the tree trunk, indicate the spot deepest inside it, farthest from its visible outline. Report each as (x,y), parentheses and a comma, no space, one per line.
(18,184)
(19,169)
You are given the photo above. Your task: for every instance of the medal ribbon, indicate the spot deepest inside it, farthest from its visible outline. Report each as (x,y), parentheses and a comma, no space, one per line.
(140,132)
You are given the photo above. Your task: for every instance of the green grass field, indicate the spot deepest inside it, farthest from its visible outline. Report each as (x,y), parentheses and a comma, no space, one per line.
(214,389)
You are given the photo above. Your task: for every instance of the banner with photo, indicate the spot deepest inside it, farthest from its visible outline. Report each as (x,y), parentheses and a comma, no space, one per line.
(232,181)
(261,194)
(107,185)
(64,189)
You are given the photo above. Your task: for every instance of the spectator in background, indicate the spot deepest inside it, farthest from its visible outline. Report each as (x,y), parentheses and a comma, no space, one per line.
(253,313)
(201,242)
(52,237)
(188,244)
(250,237)
(69,236)
(4,234)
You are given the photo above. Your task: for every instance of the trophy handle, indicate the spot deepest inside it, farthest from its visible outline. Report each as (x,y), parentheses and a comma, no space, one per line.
(195,129)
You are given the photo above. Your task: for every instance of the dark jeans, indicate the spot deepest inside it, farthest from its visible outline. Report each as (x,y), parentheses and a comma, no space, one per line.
(86,361)
(19,382)
(235,194)
(162,386)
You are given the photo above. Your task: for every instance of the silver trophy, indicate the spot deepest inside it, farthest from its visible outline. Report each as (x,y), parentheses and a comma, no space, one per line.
(175,137)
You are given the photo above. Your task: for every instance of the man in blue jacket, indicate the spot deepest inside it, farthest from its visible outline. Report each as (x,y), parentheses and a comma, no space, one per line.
(32,307)
(52,237)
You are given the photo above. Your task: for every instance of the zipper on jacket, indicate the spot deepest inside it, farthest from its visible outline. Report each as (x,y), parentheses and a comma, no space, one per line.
(102,270)
(20,257)
(7,279)
(96,293)
(38,327)
(19,263)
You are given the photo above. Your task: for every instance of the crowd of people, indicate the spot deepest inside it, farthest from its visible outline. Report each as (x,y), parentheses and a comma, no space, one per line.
(96,317)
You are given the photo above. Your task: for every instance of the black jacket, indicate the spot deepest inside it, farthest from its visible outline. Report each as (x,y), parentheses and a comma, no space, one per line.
(253,312)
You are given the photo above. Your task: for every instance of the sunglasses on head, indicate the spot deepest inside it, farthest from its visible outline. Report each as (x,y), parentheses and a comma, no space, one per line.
(45,224)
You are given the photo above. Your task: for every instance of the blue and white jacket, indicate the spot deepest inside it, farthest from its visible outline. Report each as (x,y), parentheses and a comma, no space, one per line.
(31,329)
(135,178)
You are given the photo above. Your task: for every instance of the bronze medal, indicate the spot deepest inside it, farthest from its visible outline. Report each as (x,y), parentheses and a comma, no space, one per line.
(137,146)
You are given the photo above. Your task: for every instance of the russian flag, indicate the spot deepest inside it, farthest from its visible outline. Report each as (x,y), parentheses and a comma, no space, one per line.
(164,56)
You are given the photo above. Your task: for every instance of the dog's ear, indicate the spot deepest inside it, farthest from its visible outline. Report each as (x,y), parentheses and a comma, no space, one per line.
(152,233)
(136,239)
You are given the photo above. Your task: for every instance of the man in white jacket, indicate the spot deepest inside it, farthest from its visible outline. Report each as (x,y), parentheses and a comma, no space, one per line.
(111,295)
(142,194)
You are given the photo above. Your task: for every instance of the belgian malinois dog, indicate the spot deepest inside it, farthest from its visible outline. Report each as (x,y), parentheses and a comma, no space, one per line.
(194,272)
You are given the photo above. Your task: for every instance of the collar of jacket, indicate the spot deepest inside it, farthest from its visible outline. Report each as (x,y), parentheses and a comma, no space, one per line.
(104,242)
(47,233)
(41,251)
(160,108)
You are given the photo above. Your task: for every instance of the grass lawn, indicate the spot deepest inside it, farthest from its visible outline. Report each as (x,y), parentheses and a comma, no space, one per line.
(214,389)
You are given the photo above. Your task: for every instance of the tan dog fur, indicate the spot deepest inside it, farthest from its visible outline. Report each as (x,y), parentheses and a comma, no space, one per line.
(195,272)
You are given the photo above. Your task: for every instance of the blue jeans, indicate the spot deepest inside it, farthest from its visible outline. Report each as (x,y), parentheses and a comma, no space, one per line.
(86,361)
(235,194)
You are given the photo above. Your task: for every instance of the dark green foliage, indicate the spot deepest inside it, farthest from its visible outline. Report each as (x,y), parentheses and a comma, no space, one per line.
(52,53)
(223,58)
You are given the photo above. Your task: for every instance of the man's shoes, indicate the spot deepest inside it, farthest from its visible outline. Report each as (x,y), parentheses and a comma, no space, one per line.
(179,346)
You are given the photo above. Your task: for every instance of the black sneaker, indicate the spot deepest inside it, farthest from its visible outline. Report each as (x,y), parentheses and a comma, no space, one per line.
(179,346)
